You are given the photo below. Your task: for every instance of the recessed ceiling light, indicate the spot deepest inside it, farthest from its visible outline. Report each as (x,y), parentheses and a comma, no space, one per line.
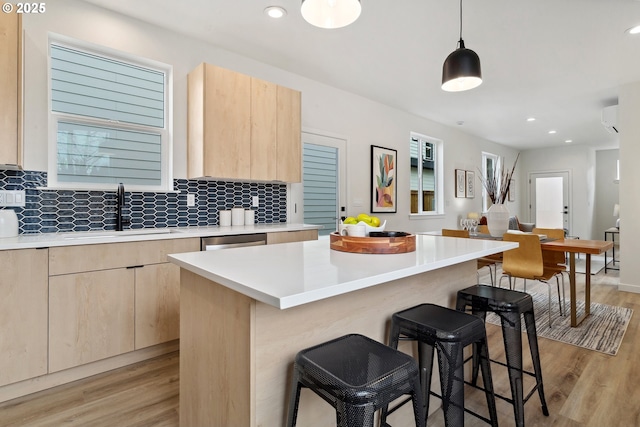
(552,131)
(275,12)
(568,141)
(634,30)
(531,119)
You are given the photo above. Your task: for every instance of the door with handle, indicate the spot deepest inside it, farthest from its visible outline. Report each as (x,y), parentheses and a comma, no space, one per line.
(550,200)
(321,197)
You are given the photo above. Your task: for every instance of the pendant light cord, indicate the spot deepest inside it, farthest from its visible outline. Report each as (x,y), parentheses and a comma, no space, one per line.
(460,21)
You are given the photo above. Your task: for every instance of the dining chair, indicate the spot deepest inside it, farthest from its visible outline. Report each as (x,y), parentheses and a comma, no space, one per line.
(554,259)
(483,262)
(526,262)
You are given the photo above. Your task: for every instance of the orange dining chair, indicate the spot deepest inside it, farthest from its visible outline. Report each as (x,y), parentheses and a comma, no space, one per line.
(481,262)
(526,262)
(554,259)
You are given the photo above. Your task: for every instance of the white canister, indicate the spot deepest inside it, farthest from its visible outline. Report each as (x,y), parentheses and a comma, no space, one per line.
(225,218)
(237,216)
(249,217)
(8,223)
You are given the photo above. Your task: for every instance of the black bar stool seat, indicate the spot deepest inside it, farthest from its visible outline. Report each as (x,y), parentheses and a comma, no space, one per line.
(448,331)
(357,376)
(510,306)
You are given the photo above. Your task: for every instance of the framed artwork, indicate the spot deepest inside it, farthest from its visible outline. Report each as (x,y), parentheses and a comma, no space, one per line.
(384,187)
(461,183)
(471,184)
(512,190)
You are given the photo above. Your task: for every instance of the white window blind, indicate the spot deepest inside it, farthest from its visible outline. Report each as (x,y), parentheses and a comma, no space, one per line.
(320,180)
(110,118)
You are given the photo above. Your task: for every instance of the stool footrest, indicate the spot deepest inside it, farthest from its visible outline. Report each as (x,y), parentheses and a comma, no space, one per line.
(467,410)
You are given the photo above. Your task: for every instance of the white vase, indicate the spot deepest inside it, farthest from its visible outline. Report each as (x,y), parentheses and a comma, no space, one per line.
(498,219)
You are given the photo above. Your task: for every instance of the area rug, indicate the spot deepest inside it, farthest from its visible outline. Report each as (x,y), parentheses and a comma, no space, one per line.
(602,331)
(597,264)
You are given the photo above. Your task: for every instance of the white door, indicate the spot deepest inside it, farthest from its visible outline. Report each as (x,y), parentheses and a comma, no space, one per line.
(321,197)
(550,201)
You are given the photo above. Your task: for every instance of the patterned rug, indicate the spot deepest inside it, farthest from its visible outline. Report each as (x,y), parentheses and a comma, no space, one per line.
(602,331)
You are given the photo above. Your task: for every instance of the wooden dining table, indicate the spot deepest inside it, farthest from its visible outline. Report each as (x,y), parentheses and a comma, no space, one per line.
(573,247)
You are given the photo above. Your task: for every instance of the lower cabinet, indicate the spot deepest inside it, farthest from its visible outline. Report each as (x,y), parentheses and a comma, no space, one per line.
(291,236)
(157,308)
(110,299)
(23,314)
(91,317)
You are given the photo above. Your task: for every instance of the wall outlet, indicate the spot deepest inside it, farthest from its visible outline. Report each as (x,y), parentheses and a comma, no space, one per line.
(191,200)
(12,198)
(256,202)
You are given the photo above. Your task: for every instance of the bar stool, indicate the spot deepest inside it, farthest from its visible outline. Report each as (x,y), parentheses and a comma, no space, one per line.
(357,376)
(509,305)
(448,331)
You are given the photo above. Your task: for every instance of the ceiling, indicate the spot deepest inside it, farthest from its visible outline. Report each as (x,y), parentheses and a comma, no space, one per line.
(560,61)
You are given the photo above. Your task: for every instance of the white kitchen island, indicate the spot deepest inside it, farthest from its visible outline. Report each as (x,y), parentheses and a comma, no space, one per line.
(246,312)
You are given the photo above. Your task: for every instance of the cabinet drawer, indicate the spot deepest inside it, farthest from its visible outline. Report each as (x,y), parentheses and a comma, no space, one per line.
(75,259)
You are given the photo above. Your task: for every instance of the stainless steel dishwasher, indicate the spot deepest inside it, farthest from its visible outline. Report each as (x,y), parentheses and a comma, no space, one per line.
(236,241)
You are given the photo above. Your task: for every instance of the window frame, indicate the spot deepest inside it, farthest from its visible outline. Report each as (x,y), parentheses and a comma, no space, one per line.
(438,161)
(166,133)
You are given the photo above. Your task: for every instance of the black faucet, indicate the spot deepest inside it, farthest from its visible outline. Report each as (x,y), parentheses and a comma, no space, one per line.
(120,220)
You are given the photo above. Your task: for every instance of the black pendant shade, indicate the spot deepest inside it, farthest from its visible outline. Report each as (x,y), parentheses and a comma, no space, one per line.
(461,70)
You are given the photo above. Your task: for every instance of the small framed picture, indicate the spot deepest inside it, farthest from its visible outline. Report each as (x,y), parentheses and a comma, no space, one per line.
(512,190)
(471,188)
(461,183)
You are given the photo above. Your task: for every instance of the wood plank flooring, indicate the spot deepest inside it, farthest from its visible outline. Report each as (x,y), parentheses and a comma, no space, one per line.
(582,387)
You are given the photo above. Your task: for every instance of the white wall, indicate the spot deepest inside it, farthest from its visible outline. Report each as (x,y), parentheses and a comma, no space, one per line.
(362,122)
(580,162)
(629,105)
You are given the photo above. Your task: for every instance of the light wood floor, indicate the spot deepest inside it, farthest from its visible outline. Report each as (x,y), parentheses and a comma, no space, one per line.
(582,387)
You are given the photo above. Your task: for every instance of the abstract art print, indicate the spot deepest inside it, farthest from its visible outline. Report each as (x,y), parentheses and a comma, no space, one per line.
(383,179)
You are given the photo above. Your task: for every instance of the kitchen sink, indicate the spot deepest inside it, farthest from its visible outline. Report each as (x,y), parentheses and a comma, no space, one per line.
(115,234)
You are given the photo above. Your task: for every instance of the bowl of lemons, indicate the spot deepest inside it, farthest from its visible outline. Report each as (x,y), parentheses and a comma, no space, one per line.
(371,223)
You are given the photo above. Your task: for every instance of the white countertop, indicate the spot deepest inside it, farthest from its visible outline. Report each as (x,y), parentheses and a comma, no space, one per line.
(291,274)
(43,240)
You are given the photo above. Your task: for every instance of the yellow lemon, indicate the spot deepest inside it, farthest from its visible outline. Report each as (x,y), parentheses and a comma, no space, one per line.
(350,220)
(375,221)
(363,217)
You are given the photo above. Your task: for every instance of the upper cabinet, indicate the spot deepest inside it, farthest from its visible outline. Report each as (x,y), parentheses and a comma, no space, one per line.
(10,88)
(241,127)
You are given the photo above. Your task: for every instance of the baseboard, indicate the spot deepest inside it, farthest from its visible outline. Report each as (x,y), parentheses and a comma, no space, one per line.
(44,382)
(629,288)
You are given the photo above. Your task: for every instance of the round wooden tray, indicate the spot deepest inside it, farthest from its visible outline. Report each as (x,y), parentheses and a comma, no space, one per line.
(373,245)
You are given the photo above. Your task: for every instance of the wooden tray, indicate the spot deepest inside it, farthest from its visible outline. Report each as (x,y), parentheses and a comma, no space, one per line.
(373,245)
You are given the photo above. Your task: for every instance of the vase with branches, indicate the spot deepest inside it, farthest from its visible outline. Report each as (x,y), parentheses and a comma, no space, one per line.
(497,188)
(497,185)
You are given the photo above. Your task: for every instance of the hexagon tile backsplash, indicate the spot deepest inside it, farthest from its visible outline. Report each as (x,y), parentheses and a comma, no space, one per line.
(51,211)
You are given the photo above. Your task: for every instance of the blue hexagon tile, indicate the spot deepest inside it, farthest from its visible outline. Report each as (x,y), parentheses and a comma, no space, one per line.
(52,211)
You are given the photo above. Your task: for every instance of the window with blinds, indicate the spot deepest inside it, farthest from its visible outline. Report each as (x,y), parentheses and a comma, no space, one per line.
(110,118)
(320,180)
(425,183)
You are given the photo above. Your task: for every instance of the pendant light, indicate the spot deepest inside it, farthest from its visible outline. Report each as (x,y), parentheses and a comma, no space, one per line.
(461,69)
(330,14)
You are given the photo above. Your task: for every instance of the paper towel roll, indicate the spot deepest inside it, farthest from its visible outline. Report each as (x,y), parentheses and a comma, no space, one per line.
(225,218)
(249,217)
(237,216)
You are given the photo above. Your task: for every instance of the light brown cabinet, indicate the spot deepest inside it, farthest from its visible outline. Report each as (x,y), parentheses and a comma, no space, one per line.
(291,236)
(110,299)
(10,88)
(23,315)
(241,127)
